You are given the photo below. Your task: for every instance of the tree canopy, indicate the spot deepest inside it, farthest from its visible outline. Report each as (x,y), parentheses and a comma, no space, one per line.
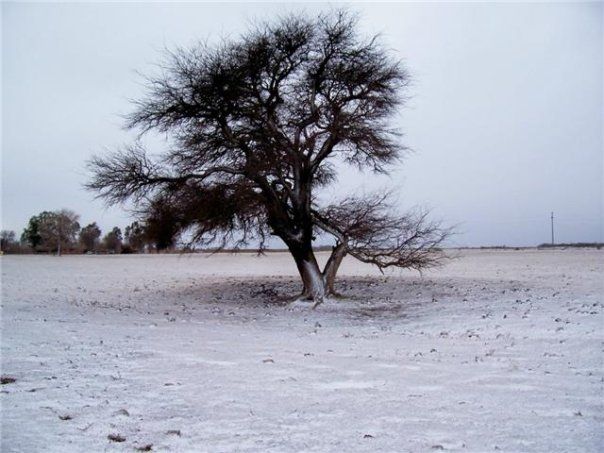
(53,231)
(89,237)
(113,240)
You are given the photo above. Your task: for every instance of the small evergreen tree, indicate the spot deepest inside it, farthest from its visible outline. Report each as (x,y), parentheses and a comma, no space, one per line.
(7,240)
(89,237)
(31,234)
(113,240)
(135,236)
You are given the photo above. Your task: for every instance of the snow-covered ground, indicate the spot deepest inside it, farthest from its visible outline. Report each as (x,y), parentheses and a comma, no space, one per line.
(498,350)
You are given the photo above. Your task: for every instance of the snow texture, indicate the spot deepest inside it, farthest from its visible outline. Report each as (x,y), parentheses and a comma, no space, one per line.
(497,351)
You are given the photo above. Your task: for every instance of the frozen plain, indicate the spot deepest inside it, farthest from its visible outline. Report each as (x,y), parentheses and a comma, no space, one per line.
(496,351)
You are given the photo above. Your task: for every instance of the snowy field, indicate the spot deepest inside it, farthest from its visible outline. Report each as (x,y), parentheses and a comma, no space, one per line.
(497,351)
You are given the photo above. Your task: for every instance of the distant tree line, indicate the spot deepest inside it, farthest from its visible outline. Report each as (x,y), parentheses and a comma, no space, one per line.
(59,232)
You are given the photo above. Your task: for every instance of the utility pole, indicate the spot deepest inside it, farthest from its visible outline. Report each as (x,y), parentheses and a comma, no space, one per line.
(552,217)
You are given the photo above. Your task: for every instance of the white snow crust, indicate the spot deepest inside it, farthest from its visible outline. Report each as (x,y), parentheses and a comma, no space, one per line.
(496,351)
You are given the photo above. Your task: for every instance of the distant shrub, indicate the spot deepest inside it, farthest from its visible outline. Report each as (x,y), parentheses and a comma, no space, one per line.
(596,245)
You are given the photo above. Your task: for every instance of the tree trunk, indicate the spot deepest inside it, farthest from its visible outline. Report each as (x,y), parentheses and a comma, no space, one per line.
(312,278)
(331,268)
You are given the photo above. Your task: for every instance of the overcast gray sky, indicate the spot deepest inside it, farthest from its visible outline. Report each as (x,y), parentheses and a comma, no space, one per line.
(505,120)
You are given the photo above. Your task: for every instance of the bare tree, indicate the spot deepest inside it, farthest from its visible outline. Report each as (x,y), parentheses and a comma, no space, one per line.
(256,127)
